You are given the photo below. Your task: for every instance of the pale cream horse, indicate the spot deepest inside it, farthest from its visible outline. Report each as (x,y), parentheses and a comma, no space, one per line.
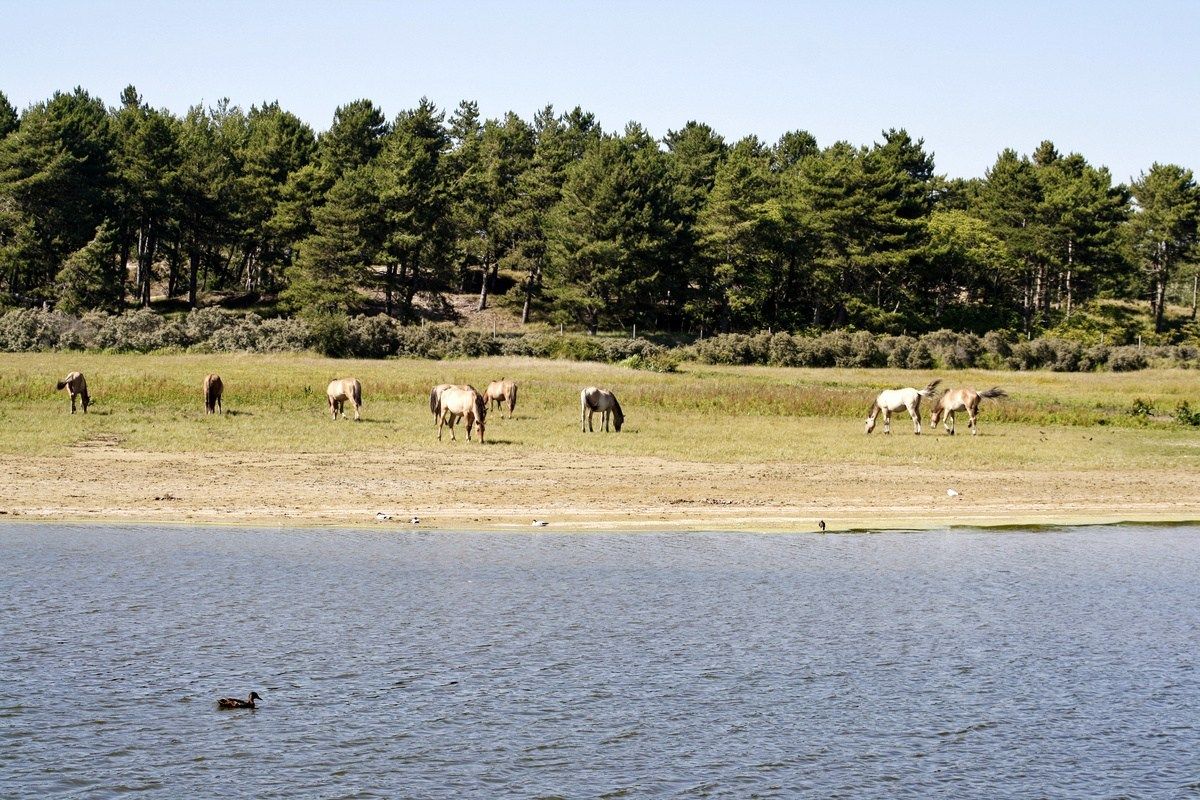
(961,400)
(435,397)
(501,392)
(75,384)
(213,389)
(339,392)
(457,402)
(890,400)
(592,400)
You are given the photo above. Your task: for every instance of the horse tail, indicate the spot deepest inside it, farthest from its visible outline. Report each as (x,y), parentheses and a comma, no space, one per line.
(434,400)
(995,391)
(357,391)
(929,390)
(512,400)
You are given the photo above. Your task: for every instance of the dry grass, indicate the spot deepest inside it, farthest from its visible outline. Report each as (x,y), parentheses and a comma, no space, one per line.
(704,414)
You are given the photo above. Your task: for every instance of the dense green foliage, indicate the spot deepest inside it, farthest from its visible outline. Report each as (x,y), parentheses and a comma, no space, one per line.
(106,208)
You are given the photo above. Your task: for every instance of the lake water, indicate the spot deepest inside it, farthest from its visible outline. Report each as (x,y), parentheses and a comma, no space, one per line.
(408,664)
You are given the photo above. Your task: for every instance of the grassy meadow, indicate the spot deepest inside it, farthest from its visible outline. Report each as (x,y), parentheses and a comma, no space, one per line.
(276,404)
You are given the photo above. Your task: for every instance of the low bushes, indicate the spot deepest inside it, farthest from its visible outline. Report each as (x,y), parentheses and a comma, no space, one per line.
(219,330)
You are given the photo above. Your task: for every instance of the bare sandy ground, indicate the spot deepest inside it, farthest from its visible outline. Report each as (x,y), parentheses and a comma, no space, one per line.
(453,490)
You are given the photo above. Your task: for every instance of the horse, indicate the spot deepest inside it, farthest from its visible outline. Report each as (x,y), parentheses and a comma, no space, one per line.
(967,400)
(213,389)
(435,396)
(341,390)
(890,400)
(456,402)
(592,400)
(500,392)
(75,384)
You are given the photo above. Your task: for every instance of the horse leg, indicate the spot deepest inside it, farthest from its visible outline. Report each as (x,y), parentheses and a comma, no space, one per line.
(72,402)
(950,422)
(354,403)
(915,413)
(973,412)
(887,421)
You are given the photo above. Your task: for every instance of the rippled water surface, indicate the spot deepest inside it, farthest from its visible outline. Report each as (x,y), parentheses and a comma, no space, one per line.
(959,664)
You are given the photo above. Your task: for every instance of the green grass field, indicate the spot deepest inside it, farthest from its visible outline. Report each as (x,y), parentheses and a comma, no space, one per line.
(276,403)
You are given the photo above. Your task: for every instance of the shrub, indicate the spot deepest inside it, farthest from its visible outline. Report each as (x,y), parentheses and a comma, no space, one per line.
(1184,414)
(1141,408)
(329,334)
(139,331)
(372,337)
(919,357)
(24,329)
(1093,358)
(953,350)
(1126,359)
(896,350)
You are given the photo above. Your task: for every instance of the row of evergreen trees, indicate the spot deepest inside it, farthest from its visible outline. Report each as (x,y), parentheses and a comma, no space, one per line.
(98,205)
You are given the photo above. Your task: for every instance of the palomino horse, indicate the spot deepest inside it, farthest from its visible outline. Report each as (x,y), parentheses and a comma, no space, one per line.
(890,400)
(213,389)
(592,400)
(961,400)
(435,398)
(501,392)
(339,392)
(75,384)
(456,402)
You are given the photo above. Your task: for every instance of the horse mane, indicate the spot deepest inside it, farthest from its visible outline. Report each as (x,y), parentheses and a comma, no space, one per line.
(617,408)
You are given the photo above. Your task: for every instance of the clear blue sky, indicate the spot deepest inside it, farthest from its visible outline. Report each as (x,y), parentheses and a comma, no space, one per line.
(1118,82)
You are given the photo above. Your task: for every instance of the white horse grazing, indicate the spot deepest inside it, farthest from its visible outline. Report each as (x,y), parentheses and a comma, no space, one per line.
(961,400)
(341,390)
(458,402)
(592,400)
(890,400)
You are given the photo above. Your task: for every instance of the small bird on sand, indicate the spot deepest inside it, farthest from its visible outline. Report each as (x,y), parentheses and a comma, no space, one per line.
(382,517)
(537,523)
(951,493)
(821,525)
(415,520)
(233,702)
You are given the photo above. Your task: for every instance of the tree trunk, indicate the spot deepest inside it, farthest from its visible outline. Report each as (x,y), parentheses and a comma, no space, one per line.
(389,280)
(1160,287)
(1195,288)
(483,288)
(525,309)
(193,273)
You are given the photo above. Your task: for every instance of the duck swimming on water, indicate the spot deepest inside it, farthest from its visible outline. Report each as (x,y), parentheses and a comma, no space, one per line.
(233,702)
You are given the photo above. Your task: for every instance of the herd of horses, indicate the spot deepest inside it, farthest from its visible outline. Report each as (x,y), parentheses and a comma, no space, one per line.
(451,404)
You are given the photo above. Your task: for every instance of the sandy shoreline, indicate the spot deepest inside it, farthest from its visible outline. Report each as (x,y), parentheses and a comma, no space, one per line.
(451,489)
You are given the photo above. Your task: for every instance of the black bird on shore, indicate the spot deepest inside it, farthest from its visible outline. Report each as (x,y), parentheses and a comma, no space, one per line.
(233,702)
(821,525)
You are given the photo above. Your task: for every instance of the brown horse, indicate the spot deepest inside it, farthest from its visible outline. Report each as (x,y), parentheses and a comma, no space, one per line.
(75,384)
(339,392)
(500,392)
(213,389)
(435,400)
(456,402)
(961,400)
(592,400)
